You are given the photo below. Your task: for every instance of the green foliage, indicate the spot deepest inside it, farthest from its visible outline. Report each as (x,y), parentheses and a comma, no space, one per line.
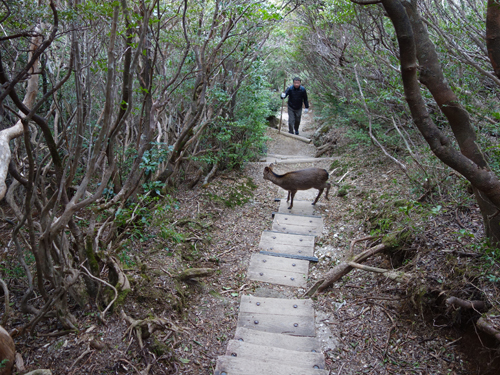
(14,270)
(4,363)
(239,138)
(153,157)
(126,260)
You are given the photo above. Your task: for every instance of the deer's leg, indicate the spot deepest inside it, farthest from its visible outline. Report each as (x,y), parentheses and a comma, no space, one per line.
(288,197)
(328,186)
(319,195)
(292,195)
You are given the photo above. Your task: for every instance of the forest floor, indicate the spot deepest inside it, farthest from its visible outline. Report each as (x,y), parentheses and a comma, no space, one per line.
(367,324)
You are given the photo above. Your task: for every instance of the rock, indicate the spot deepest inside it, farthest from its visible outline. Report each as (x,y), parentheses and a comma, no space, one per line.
(273,122)
(39,372)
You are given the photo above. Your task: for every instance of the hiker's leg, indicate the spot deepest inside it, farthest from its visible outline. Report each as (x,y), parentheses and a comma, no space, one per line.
(297,115)
(291,120)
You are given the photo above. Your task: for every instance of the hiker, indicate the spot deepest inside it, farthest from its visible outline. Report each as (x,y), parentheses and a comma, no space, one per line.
(296,96)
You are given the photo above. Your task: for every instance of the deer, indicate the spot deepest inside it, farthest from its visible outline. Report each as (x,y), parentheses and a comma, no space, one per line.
(303,179)
(7,352)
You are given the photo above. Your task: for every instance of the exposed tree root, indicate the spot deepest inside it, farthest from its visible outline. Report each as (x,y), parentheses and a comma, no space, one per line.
(479,306)
(105,283)
(144,328)
(6,313)
(116,275)
(486,325)
(390,274)
(87,351)
(210,174)
(486,322)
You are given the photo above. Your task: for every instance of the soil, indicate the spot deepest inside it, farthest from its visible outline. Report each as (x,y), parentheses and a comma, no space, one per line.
(367,324)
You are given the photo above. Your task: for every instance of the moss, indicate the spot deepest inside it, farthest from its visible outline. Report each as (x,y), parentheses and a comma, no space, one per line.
(93,263)
(397,239)
(122,294)
(417,297)
(400,203)
(343,190)
(159,348)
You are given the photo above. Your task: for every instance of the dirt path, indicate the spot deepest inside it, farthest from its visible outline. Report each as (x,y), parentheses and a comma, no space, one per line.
(362,322)
(366,325)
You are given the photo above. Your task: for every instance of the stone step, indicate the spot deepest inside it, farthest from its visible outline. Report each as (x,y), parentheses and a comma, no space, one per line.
(243,366)
(277,340)
(306,360)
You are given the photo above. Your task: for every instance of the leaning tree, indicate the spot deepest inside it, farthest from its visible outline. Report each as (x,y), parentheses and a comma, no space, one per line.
(421,65)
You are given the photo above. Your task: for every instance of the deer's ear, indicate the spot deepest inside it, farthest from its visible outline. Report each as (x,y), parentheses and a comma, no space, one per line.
(271,166)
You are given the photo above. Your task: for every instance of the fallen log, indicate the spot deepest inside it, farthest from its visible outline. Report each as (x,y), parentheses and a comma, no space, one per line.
(342,269)
(193,273)
(352,261)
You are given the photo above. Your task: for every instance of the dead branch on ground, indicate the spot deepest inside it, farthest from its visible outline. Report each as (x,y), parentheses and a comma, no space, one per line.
(327,147)
(351,262)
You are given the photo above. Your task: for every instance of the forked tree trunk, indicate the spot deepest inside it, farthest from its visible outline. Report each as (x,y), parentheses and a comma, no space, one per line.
(431,75)
(413,41)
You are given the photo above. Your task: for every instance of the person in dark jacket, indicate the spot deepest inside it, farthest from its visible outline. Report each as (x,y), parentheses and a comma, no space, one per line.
(296,96)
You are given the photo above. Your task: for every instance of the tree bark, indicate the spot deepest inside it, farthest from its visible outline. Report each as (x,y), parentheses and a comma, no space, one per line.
(17,130)
(493,34)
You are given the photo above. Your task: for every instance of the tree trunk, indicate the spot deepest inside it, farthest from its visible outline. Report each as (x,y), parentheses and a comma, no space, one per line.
(493,34)
(469,162)
(431,75)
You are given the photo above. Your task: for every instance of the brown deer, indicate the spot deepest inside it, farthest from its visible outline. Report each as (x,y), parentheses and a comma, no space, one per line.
(303,179)
(7,352)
